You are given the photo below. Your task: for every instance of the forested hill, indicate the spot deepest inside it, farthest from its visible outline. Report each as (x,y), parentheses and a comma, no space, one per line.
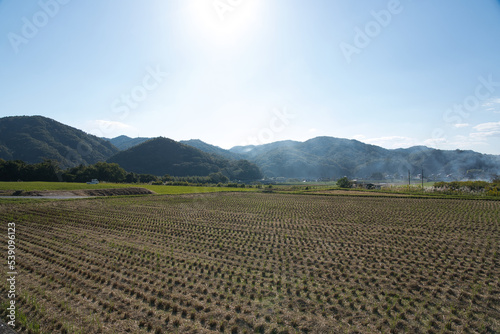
(124,143)
(160,156)
(337,157)
(36,138)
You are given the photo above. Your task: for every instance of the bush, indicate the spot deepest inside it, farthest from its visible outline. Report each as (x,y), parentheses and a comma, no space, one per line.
(493,192)
(468,187)
(456,185)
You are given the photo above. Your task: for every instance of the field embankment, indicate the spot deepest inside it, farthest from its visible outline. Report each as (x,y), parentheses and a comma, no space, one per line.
(84,192)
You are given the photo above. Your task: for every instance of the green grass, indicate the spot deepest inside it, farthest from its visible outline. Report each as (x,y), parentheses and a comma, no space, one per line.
(40,186)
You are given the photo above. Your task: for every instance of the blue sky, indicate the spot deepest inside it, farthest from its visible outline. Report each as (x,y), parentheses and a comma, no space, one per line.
(236,72)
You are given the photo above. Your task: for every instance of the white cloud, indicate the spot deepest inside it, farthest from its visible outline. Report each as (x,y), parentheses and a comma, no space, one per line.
(461,125)
(109,129)
(463,142)
(485,130)
(492,105)
(482,138)
(485,134)
(435,142)
(492,101)
(359,137)
(488,127)
(392,142)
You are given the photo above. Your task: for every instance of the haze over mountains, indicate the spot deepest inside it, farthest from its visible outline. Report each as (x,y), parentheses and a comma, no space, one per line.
(329,157)
(35,138)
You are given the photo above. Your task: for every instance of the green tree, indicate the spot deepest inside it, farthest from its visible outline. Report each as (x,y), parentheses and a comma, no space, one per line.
(344,182)
(131,178)
(218,178)
(146,178)
(110,172)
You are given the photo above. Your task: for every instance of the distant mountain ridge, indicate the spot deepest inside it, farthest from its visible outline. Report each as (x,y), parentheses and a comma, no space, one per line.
(124,142)
(36,138)
(331,157)
(212,149)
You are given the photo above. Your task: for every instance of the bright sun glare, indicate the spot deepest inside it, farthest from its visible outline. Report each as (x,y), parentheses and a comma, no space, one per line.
(223,21)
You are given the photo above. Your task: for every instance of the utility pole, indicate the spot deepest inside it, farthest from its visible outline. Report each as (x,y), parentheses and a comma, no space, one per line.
(409,179)
(422,178)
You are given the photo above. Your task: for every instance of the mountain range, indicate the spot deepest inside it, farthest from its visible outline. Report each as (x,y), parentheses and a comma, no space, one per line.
(329,157)
(35,138)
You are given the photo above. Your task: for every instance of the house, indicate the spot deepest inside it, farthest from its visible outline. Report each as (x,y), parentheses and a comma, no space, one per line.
(366,185)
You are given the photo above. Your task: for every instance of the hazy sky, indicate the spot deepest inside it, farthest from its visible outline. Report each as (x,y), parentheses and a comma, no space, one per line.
(235,72)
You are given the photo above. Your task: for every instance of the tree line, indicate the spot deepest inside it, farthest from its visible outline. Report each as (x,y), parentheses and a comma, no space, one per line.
(49,170)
